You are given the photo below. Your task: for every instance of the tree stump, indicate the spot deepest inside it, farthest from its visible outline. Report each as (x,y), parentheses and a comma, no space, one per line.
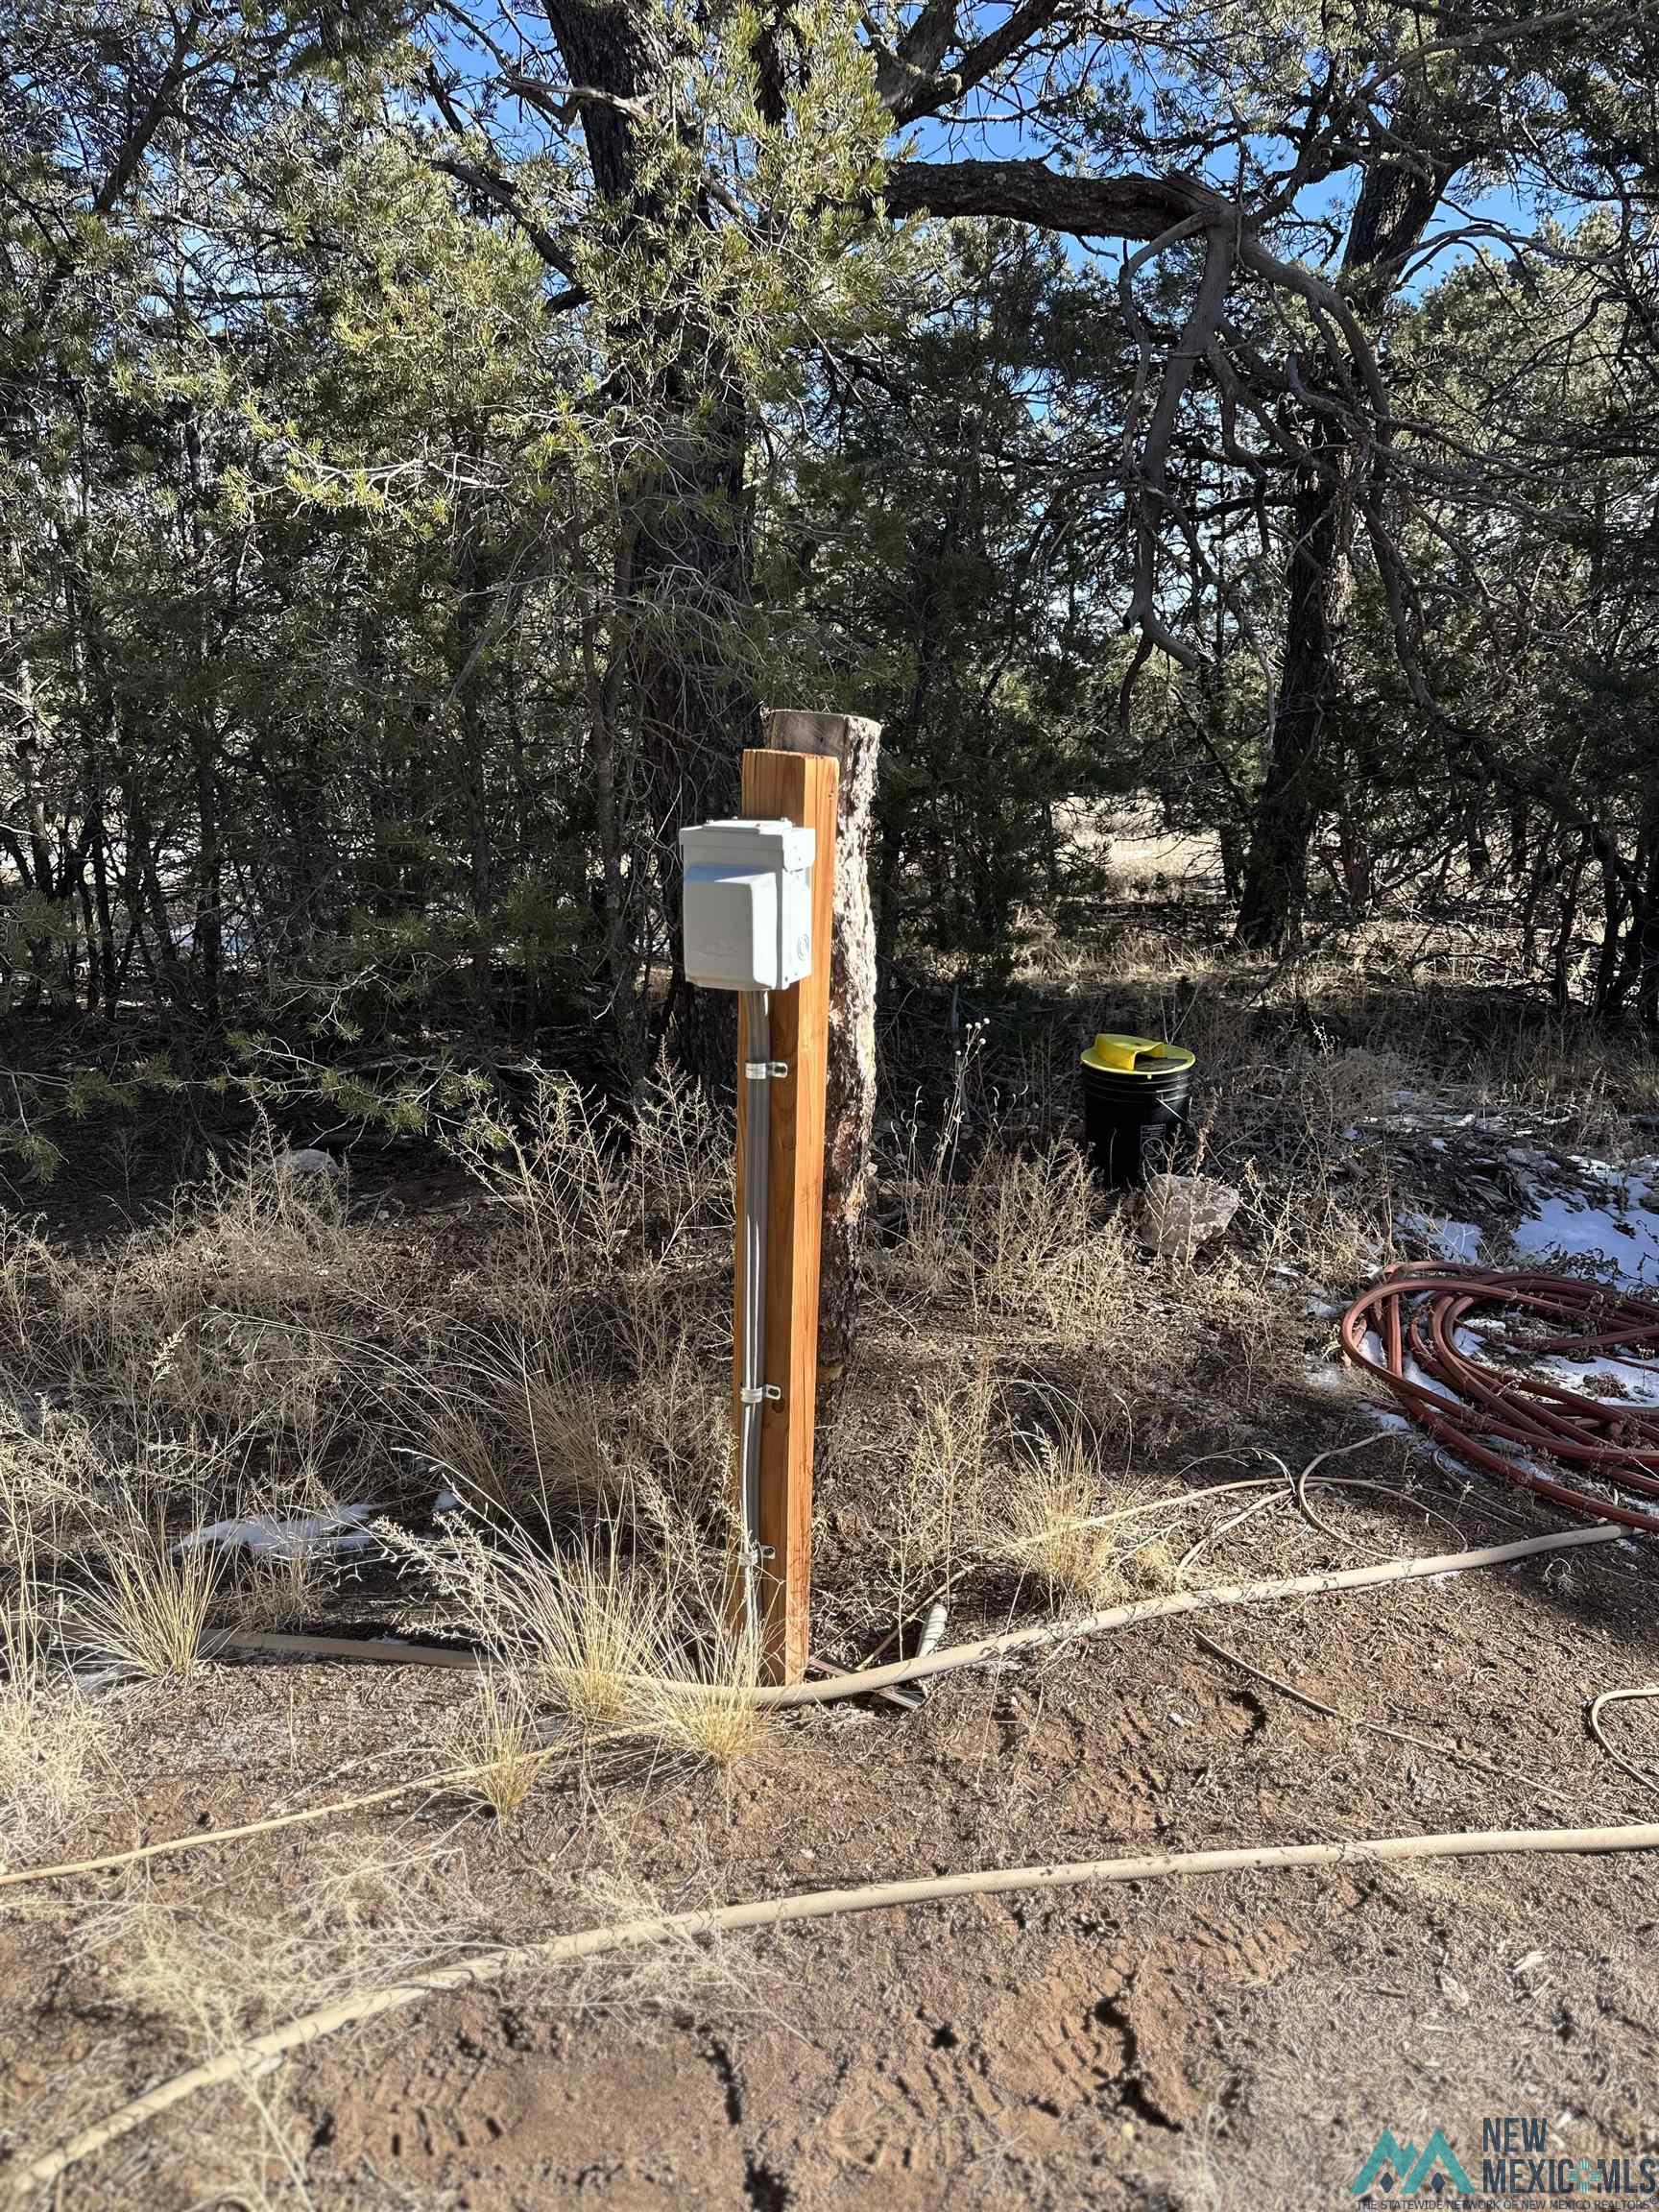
(850,1106)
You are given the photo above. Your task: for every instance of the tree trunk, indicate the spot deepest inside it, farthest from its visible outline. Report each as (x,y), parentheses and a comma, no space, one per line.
(1293,792)
(467,646)
(686,521)
(691,574)
(849,1102)
(1396,200)
(209,933)
(1561,953)
(1644,928)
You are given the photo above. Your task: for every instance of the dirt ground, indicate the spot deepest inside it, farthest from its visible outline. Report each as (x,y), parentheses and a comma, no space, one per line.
(1206,2043)
(1236,2040)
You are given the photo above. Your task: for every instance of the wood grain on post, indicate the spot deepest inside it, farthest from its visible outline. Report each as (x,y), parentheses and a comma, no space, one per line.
(854,742)
(798,788)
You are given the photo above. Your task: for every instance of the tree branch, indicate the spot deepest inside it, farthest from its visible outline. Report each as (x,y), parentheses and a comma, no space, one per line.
(910,83)
(1133,207)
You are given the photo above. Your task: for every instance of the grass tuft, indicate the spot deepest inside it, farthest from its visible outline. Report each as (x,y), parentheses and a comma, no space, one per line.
(49,1730)
(496,1731)
(1047,1522)
(703,1704)
(151,1612)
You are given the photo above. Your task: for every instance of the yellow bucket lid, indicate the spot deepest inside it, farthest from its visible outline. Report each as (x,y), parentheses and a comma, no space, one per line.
(1126,1055)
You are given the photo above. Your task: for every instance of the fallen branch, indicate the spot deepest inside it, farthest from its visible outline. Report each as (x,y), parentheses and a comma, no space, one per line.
(452,1777)
(1437,1750)
(261,2051)
(380,1650)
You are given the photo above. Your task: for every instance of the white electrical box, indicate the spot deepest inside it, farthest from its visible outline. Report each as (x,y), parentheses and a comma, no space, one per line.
(747,915)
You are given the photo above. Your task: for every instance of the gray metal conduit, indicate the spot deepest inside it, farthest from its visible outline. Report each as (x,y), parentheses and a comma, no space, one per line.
(752,1371)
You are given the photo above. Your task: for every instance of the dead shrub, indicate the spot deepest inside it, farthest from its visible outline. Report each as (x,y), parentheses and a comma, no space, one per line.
(582,1192)
(597,1633)
(935,1495)
(220,1964)
(49,1729)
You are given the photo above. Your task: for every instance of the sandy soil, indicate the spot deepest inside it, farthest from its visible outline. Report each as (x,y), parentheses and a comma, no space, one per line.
(1223,2041)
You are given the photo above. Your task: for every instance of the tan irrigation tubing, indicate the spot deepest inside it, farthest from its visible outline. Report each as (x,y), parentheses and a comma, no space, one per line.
(1473,1408)
(862,1680)
(867,1678)
(262,2052)
(1047,1633)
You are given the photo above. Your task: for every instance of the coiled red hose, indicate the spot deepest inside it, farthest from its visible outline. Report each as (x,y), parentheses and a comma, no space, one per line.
(1475,1409)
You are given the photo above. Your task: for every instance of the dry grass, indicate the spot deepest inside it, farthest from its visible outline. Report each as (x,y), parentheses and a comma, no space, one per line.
(50,1731)
(247,1315)
(496,1731)
(664,1976)
(936,1497)
(597,1629)
(564,1368)
(209,1969)
(605,1637)
(264,1348)
(1006,1476)
(1035,1241)
(220,1963)
(702,1703)
(1153,1565)
(1568,1075)
(1047,1518)
(52,1735)
(276,1588)
(54,1478)
(577,1194)
(31,1289)
(147,1613)
(1010,1235)
(521,1422)
(626,1411)
(588,1373)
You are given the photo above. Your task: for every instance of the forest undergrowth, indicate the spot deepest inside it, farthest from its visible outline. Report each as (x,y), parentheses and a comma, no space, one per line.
(280,1402)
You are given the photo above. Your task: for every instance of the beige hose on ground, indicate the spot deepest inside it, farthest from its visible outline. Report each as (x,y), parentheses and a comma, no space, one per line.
(262,2052)
(867,1678)
(864,1679)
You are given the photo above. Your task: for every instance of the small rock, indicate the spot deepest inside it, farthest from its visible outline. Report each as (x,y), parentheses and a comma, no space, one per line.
(1179,1213)
(311,1159)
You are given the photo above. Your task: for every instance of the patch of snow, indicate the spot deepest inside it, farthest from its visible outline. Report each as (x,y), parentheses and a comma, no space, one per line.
(1623,1232)
(1631,1381)
(1385,1417)
(295,1535)
(1446,1238)
(1427,1382)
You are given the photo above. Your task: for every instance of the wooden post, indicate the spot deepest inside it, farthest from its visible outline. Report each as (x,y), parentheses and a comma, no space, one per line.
(796,788)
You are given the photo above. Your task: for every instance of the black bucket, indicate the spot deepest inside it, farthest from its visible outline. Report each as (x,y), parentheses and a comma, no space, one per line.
(1145,1091)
